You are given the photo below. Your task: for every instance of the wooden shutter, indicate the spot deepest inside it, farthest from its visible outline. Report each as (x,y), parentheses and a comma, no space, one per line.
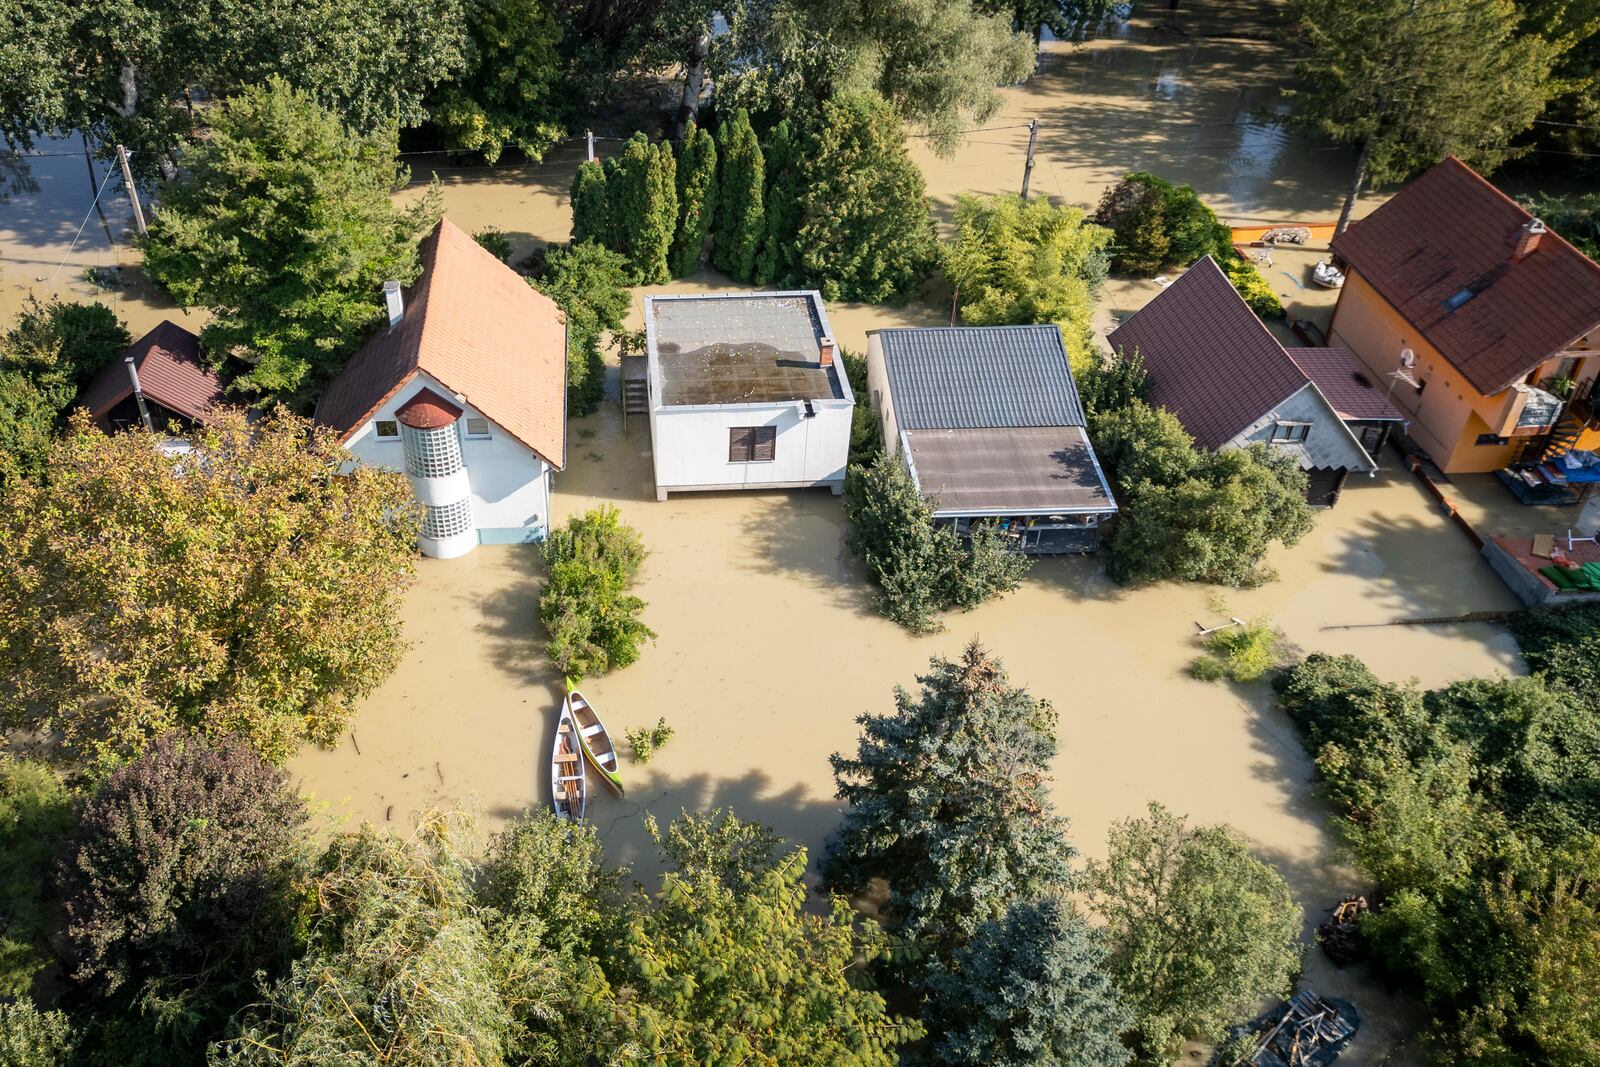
(741,443)
(764,445)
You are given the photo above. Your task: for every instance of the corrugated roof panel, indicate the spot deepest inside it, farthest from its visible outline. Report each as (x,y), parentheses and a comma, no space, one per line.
(957,377)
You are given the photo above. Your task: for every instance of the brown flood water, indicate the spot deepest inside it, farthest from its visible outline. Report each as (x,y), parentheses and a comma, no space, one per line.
(768,647)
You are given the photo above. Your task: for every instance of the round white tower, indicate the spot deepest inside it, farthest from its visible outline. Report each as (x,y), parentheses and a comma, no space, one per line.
(438,477)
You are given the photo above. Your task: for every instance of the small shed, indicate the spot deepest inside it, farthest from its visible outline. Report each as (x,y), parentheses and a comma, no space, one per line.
(164,369)
(988,422)
(746,391)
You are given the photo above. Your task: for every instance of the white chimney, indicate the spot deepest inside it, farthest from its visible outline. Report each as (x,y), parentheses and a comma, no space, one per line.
(826,350)
(138,392)
(1528,238)
(397,304)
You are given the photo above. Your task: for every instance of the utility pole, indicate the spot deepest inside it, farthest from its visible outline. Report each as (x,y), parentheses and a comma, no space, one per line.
(133,193)
(589,135)
(1027,170)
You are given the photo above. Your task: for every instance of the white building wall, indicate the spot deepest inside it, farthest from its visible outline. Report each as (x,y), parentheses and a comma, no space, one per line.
(690,446)
(879,396)
(510,483)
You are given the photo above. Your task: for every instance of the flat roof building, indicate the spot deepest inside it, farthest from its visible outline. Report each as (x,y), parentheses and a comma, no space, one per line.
(746,391)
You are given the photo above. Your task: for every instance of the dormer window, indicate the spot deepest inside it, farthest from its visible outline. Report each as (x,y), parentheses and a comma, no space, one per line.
(1284,433)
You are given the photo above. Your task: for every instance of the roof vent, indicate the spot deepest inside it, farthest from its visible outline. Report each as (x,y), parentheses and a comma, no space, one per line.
(397,305)
(1528,239)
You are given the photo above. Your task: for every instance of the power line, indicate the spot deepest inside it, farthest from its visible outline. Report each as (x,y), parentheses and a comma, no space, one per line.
(109,172)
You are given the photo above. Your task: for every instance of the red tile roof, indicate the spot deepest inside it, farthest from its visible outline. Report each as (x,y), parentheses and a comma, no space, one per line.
(427,411)
(1346,384)
(1450,231)
(171,373)
(1211,361)
(477,327)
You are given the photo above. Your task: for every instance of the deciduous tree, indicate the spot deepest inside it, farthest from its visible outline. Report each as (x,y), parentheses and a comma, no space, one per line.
(738,222)
(1411,81)
(949,803)
(282,226)
(35,817)
(1199,929)
(590,283)
(511,94)
(33,1038)
(697,200)
(250,585)
(590,613)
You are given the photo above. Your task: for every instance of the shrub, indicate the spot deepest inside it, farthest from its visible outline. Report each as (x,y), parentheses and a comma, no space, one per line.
(1246,653)
(866,441)
(1250,284)
(645,741)
(588,612)
(1110,381)
(258,592)
(589,220)
(33,1038)
(590,283)
(1158,224)
(1563,645)
(921,569)
(35,818)
(495,242)
(1207,669)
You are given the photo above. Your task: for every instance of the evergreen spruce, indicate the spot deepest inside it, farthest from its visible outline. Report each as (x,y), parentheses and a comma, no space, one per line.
(738,225)
(865,232)
(1029,991)
(589,204)
(949,801)
(642,207)
(775,261)
(697,199)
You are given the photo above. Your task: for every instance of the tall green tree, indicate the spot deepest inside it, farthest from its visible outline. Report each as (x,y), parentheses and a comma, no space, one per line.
(641,209)
(1070,20)
(865,232)
(282,226)
(35,818)
(1015,261)
(738,221)
(1031,990)
(589,221)
(697,200)
(745,975)
(177,887)
(1411,81)
(1199,929)
(590,283)
(949,803)
(775,260)
(260,593)
(511,94)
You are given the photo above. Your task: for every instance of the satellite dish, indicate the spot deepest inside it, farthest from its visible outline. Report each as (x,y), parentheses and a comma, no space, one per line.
(1408,358)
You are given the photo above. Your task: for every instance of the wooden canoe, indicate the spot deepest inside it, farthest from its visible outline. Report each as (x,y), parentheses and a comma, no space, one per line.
(569,785)
(597,746)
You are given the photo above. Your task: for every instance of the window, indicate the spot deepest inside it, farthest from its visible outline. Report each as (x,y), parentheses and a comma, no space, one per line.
(1290,432)
(1492,439)
(387,430)
(477,427)
(1458,298)
(432,453)
(752,444)
(447,520)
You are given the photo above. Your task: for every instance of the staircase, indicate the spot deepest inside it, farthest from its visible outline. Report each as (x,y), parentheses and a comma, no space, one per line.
(635,385)
(1553,445)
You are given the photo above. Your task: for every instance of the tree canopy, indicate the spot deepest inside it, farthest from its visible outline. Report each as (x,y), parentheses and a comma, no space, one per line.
(511,92)
(1411,81)
(282,226)
(590,283)
(249,585)
(588,608)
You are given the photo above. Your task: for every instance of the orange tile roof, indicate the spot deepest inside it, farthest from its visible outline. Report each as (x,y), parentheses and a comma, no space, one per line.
(171,373)
(482,331)
(1450,232)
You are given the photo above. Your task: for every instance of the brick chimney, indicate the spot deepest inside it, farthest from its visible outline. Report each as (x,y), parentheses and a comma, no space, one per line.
(827,349)
(1528,239)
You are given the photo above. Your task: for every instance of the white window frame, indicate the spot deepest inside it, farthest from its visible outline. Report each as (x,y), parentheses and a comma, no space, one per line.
(1279,437)
(377,430)
(473,435)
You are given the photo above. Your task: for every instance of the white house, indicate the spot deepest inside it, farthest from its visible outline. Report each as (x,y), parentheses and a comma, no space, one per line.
(465,392)
(746,392)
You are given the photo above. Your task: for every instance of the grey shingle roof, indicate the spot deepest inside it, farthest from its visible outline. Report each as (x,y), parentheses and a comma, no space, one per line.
(958,377)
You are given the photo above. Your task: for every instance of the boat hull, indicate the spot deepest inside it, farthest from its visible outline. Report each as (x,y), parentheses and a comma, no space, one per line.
(598,748)
(569,785)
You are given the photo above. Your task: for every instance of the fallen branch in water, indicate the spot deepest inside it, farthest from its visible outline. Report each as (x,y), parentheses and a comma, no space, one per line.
(1434,620)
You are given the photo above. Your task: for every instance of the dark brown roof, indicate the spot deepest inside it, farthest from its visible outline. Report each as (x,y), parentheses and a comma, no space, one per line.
(171,373)
(1015,470)
(1211,361)
(1346,384)
(478,328)
(1450,232)
(427,411)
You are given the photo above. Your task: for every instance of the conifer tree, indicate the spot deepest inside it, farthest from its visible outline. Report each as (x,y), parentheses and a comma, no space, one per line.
(775,261)
(697,199)
(642,207)
(949,802)
(739,222)
(589,204)
(1030,991)
(865,232)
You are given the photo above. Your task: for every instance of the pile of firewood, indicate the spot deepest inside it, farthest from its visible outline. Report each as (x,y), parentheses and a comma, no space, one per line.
(1340,937)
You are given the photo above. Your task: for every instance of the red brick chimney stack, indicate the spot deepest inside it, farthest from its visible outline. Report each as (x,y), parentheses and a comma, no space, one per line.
(827,348)
(1528,239)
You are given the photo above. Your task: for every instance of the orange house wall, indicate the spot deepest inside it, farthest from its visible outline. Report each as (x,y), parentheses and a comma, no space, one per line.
(1450,414)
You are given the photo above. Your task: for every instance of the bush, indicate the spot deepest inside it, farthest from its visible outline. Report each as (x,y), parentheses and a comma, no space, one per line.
(35,818)
(33,1038)
(1207,669)
(1110,381)
(1250,284)
(1246,653)
(644,742)
(590,283)
(1563,646)
(866,441)
(921,568)
(495,242)
(591,618)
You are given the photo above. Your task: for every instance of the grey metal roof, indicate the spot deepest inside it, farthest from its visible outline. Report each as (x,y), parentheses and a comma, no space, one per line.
(1028,470)
(740,348)
(955,377)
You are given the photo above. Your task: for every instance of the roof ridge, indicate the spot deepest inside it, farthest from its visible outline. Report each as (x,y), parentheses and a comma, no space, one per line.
(1528,216)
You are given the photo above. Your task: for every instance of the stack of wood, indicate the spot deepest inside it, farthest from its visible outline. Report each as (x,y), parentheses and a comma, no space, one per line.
(1340,937)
